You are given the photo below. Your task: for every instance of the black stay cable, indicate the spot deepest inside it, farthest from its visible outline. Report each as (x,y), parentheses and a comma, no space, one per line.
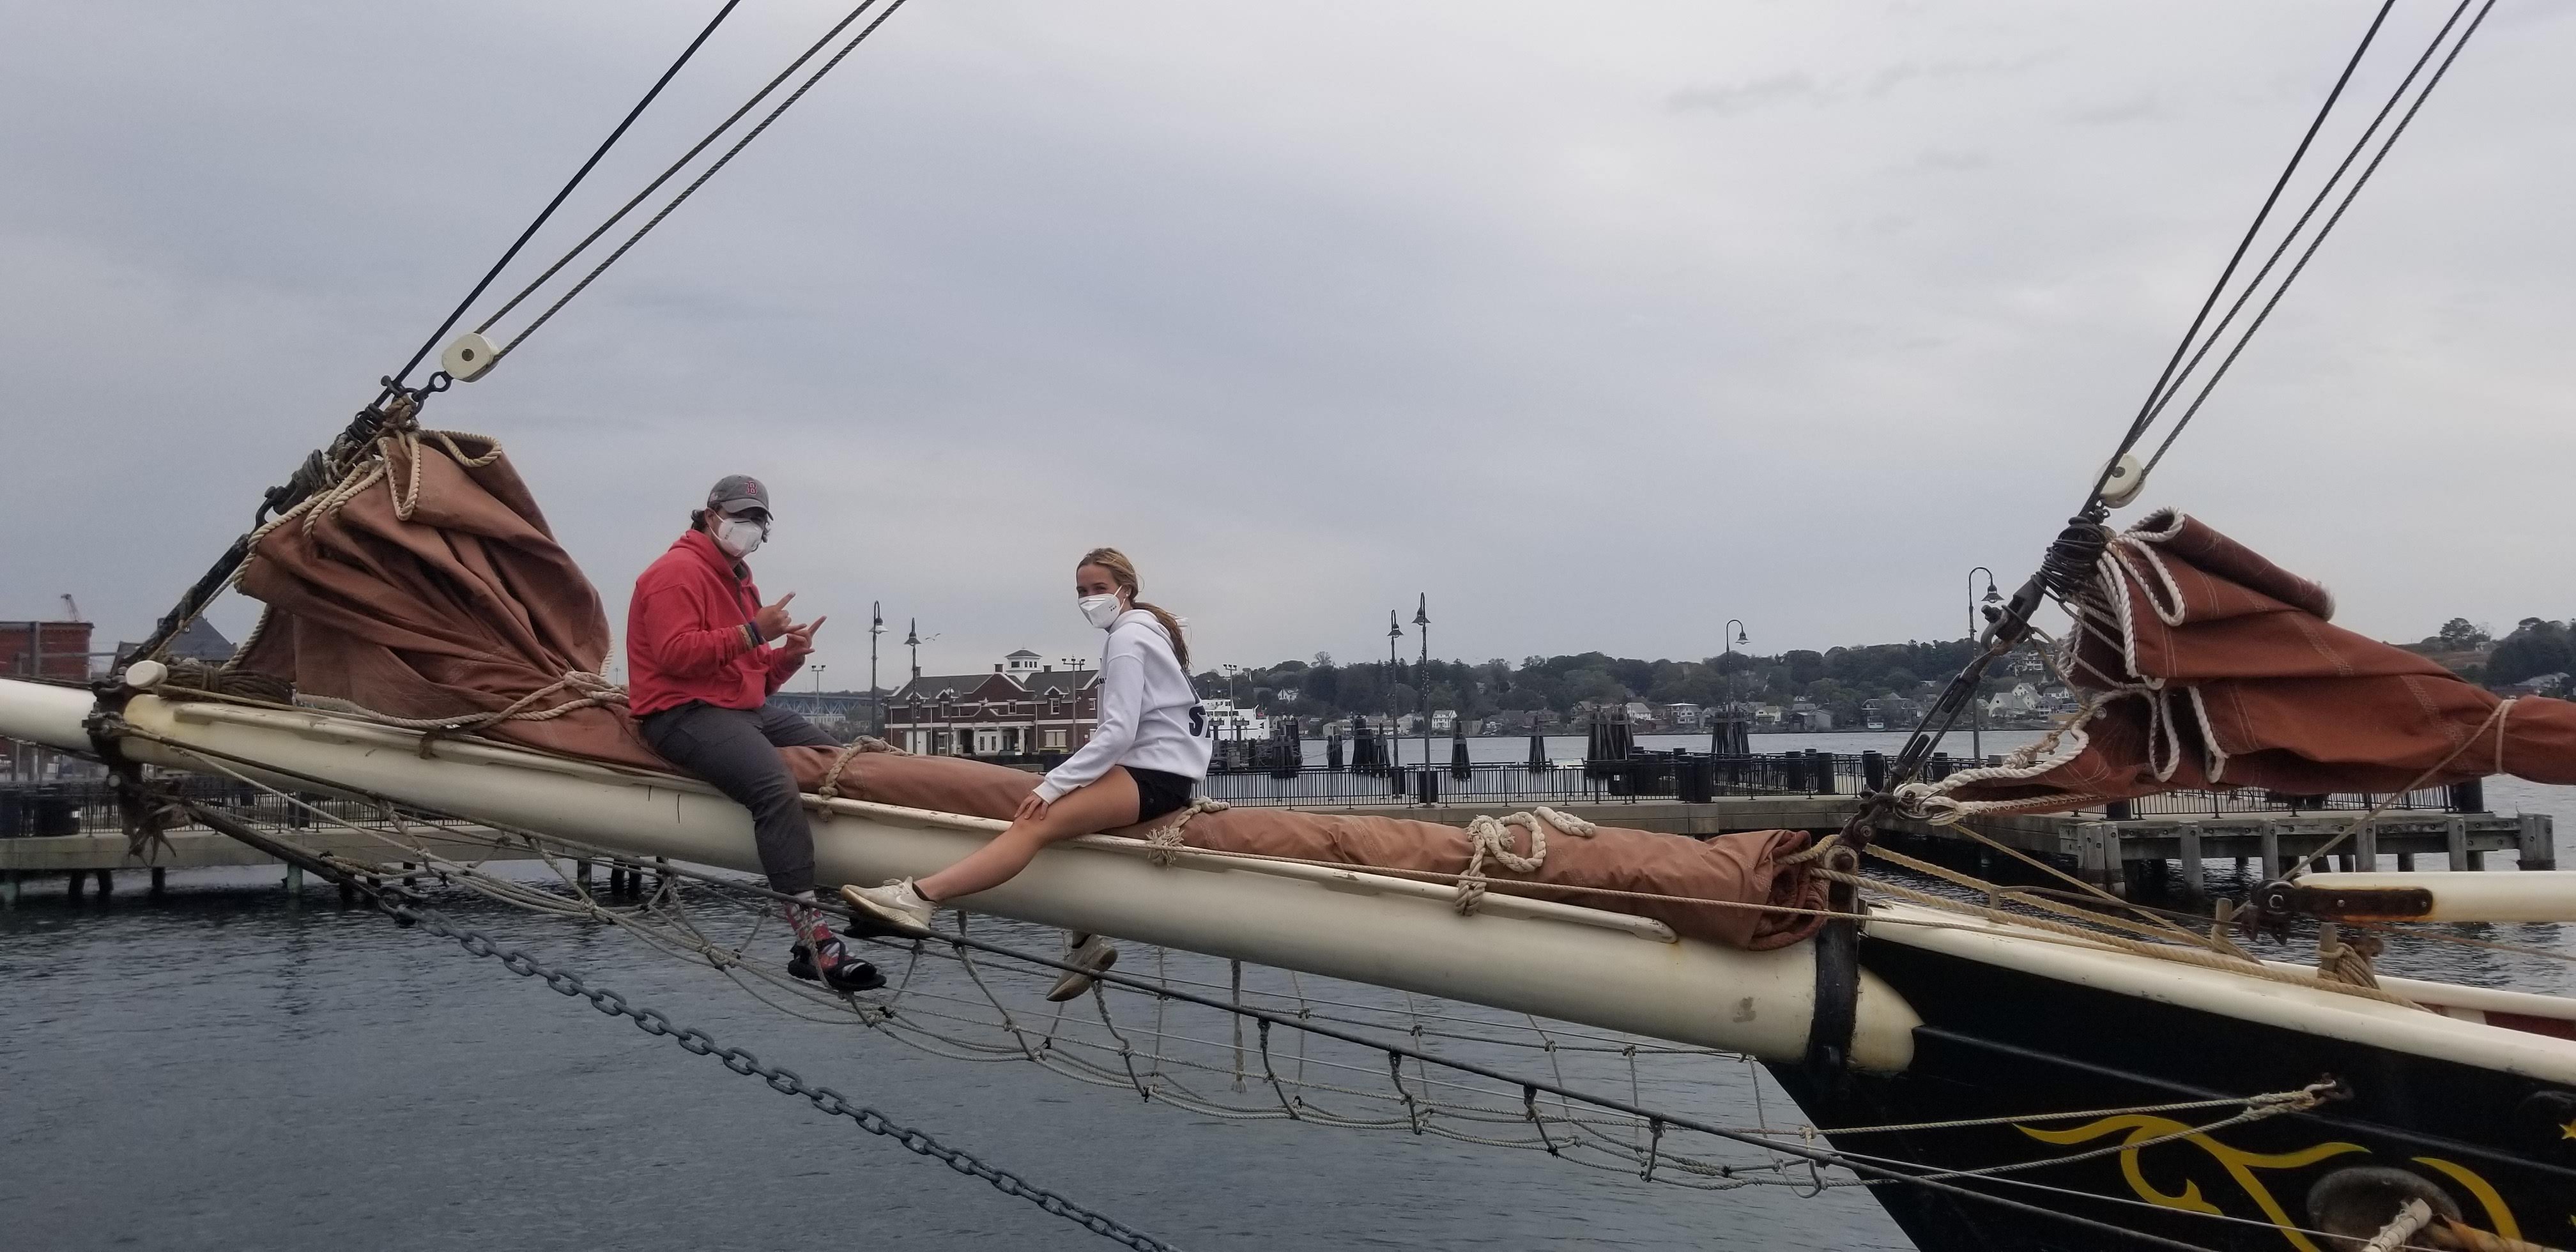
(701,180)
(666,175)
(2138,425)
(317,468)
(2069,561)
(410,908)
(2266,312)
(2291,236)
(431,344)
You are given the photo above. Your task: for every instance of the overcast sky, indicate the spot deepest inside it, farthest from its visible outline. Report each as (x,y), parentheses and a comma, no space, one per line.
(1599,323)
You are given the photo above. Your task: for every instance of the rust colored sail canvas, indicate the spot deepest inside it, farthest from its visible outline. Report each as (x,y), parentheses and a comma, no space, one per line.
(2208,666)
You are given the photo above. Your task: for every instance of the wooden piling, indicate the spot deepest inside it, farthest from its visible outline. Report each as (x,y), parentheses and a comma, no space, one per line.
(2195,886)
(2534,841)
(2097,856)
(106,882)
(2365,847)
(9,889)
(80,880)
(160,881)
(2456,831)
(2271,851)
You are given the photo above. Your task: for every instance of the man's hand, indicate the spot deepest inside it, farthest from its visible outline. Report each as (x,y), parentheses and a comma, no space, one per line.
(798,642)
(1032,807)
(771,621)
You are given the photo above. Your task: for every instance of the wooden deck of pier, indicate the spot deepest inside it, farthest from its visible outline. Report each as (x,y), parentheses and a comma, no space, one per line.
(95,860)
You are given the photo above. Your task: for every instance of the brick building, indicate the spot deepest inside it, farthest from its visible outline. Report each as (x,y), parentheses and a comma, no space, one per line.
(1023,708)
(57,650)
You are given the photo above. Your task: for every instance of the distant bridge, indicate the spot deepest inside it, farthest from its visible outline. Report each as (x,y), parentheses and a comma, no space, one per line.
(847,705)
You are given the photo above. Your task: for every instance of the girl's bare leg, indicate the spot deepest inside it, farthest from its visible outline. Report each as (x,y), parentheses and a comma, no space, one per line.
(1107,803)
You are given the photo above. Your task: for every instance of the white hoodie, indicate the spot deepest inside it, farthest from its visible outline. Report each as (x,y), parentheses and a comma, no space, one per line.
(1149,714)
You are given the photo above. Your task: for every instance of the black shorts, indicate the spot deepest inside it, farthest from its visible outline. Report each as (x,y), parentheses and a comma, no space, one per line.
(1159,792)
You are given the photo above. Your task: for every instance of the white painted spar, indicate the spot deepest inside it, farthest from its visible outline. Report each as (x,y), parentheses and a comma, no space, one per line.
(2307,1010)
(2530,895)
(1582,965)
(46,714)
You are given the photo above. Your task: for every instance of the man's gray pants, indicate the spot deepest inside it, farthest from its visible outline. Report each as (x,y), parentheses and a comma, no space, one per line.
(736,749)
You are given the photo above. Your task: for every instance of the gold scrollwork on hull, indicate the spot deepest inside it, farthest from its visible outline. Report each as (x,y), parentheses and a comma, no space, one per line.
(2145,1130)
(2239,1164)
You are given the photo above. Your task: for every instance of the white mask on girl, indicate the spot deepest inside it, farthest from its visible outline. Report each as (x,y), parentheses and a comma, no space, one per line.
(739,537)
(1100,611)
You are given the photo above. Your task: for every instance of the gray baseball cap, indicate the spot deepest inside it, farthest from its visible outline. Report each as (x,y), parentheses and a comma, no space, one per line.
(738,493)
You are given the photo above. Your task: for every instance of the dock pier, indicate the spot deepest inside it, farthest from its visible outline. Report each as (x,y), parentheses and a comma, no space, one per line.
(2132,848)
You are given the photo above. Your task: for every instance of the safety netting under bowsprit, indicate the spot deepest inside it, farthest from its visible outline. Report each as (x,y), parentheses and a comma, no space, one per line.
(1204,1035)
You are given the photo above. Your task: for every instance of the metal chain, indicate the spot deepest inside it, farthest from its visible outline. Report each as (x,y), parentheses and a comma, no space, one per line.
(779,1078)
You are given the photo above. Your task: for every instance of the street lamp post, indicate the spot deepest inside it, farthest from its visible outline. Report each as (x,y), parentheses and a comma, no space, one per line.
(818,683)
(876,701)
(1977,714)
(1734,635)
(1422,625)
(1394,634)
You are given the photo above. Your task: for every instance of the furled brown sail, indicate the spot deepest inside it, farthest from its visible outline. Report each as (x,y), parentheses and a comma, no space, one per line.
(2206,665)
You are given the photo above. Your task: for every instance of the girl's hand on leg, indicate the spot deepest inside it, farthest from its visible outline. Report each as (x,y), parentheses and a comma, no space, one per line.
(1032,808)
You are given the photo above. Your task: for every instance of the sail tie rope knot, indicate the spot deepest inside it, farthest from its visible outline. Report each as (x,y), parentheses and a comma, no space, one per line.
(1488,835)
(1163,847)
(831,788)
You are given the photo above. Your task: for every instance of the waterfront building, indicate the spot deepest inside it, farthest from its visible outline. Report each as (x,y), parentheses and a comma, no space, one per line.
(56,650)
(1444,721)
(1228,724)
(1023,708)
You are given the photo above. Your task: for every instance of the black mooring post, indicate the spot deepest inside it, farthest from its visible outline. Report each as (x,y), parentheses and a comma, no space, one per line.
(1873,770)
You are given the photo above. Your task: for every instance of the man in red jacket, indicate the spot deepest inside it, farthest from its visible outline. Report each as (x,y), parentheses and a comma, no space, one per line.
(703,656)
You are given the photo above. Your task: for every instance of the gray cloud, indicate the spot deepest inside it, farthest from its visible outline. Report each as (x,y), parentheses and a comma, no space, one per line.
(1309,315)
(1734,98)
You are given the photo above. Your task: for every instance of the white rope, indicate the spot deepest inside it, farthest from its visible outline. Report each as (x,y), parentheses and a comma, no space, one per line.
(2409,1220)
(1163,846)
(1488,835)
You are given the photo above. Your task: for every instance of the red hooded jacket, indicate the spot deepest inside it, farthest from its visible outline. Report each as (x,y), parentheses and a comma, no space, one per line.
(684,633)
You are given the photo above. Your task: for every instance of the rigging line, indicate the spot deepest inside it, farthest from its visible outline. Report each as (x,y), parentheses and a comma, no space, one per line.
(2138,425)
(2322,231)
(323,866)
(409,908)
(700,181)
(431,344)
(692,154)
(2316,202)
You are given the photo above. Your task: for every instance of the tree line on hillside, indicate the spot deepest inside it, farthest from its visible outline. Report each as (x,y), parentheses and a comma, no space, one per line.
(2536,648)
(1837,679)
(1841,680)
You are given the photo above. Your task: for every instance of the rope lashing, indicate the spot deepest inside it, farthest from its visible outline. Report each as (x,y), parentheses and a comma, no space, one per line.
(2347,960)
(1488,835)
(1163,847)
(2410,1219)
(831,788)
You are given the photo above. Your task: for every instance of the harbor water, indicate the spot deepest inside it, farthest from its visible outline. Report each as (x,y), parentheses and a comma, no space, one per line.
(226,1068)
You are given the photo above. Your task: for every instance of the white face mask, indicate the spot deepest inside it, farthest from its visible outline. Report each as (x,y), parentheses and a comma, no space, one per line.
(1100,611)
(739,538)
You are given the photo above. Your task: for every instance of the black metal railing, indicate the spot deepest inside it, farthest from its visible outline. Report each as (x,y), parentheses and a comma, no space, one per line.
(76,808)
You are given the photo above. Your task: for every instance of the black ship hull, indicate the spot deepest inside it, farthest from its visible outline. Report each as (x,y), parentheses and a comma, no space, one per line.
(2496,1148)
